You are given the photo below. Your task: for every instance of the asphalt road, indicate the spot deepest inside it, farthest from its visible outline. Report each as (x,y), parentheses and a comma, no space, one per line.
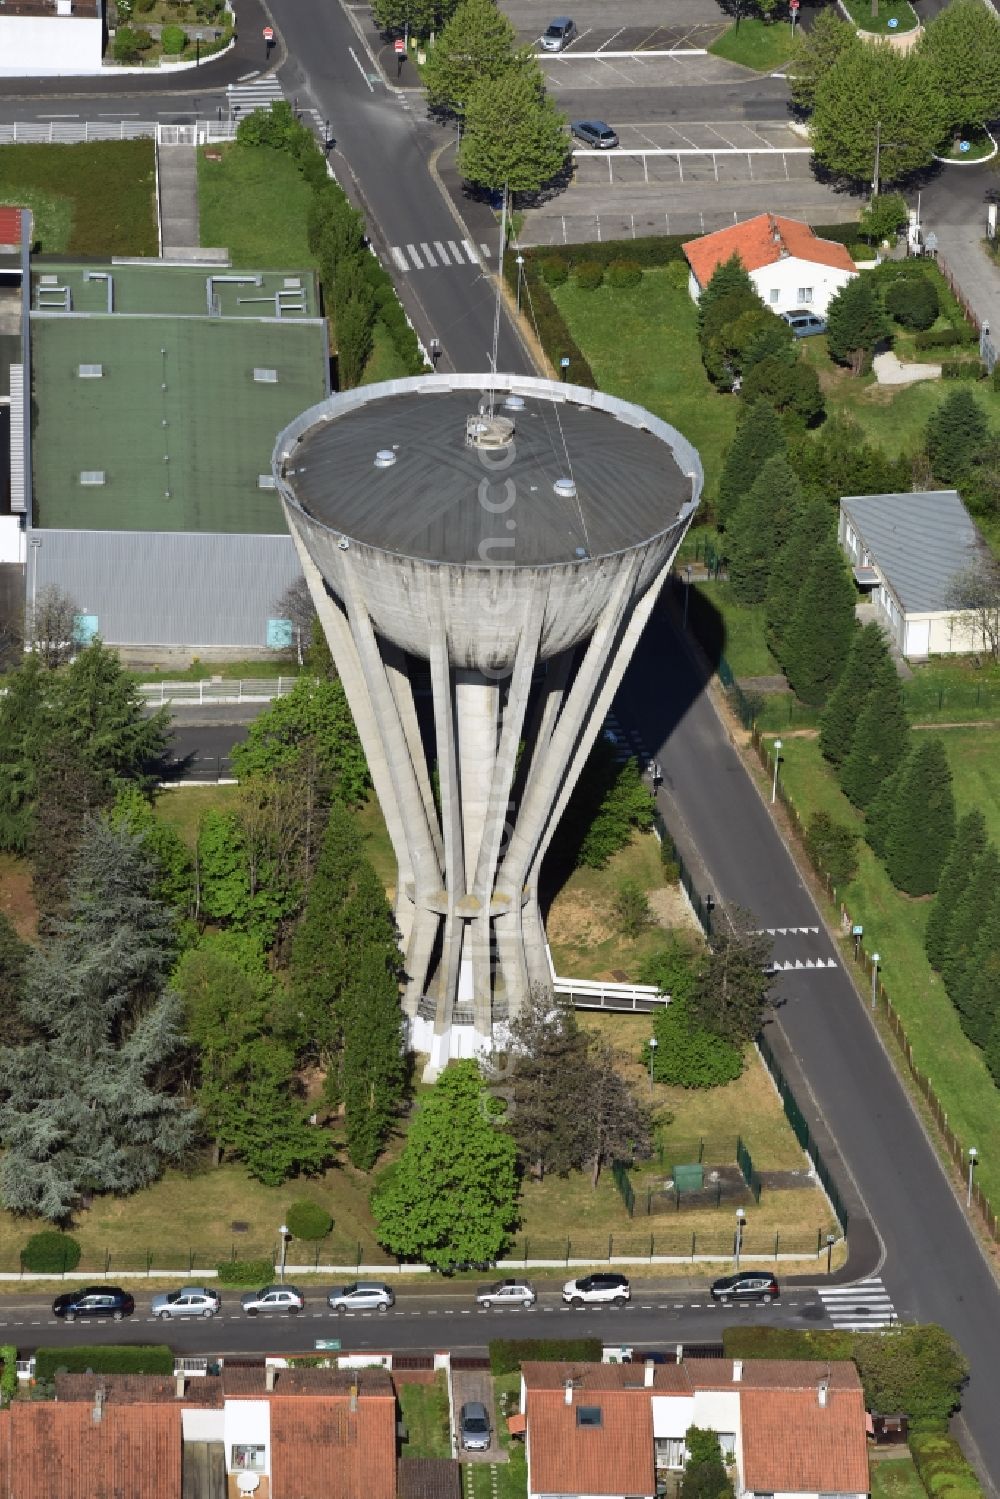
(420,1321)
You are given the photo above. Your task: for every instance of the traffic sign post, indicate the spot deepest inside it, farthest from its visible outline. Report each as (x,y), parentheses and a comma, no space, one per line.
(399,47)
(268,34)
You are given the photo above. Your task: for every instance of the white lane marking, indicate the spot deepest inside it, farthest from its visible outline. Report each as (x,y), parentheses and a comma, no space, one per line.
(399,258)
(428,254)
(418,264)
(442,252)
(487,252)
(361,70)
(470,250)
(456,251)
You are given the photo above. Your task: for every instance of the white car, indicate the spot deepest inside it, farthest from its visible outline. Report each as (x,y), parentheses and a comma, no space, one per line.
(192,1301)
(273,1299)
(598,1290)
(362,1296)
(507,1293)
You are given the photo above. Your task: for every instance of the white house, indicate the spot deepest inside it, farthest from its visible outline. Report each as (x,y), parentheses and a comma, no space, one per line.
(50,38)
(906,551)
(610,1431)
(790,266)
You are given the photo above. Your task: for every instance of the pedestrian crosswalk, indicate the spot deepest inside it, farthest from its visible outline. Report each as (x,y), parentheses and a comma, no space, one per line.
(626,744)
(859,1308)
(424,255)
(258,93)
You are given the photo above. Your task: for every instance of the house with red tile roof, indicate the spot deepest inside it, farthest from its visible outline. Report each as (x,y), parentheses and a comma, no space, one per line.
(788,263)
(261,1433)
(787,1430)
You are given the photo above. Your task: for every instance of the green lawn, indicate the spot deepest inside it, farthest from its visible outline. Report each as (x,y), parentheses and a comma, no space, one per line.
(952,689)
(760,45)
(425,1416)
(875,15)
(974,757)
(254,202)
(200,671)
(92,199)
(896,1478)
(742,625)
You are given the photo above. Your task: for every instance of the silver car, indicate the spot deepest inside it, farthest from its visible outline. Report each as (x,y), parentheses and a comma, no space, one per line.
(273,1299)
(474,1426)
(192,1301)
(362,1296)
(507,1293)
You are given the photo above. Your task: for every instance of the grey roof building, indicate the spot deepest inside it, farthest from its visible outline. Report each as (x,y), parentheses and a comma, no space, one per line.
(906,551)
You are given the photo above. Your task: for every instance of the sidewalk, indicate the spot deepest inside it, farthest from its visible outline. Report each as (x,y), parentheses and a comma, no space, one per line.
(178,205)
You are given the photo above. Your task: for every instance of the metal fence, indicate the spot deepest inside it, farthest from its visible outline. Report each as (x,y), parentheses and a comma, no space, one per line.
(803,1133)
(218,690)
(74,132)
(745,1162)
(701,905)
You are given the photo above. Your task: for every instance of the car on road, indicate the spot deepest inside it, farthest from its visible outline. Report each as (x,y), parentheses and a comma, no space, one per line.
(594,133)
(507,1293)
(362,1296)
(474,1426)
(804,323)
(597,1290)
(94,1301)
(748,1285)
(273,1299)
(190,1301)
(558,34)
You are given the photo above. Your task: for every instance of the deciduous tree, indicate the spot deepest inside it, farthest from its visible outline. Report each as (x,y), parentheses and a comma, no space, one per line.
(174,864)
(615,1124)
(514,136)
(962,46)
(477,42)
(816,51)
(543,1082)
(52,621)
(705,1475)
(875,98)
(975,597)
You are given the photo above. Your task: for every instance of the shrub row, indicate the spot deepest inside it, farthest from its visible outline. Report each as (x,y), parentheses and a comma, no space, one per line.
(786,1343)
(942,1468)
(110,1358)
(8,1378)
(548,322)
(963,369)
(508,1354)
(250,1273)
(649,251)
(938,338)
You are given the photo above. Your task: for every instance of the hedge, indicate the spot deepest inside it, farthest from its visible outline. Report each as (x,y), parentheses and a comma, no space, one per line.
(543,314)
(786,1343)
(649,251)
(50,1252)
(252,1273)
(942,1468)
(963,369)
(841,234)
(938,338)
(109,1358)
(8,1379)
(508,1354)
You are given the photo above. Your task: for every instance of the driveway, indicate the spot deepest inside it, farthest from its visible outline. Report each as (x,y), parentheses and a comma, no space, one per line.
(475,1384)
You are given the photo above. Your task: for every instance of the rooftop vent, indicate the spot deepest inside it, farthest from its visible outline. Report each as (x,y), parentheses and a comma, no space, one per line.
(514,403)
(385,458)
(292,283)
(265,481)
(265,376)
(565,489)
(90,371)
(492,432)
(92,476)
(48,280)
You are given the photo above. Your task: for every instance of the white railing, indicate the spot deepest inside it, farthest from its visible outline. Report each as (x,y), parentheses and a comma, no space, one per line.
(72,132)
(595,994)
(25,1369)
(190,1366)
(249,690)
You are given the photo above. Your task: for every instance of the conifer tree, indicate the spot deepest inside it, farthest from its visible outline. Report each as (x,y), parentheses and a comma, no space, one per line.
(856,321)
(981,982)
(878,815)
(956,433)
(759,525)
(729,279)
(820,629)
(975,900)
(373,1070)
(788,569)
(759,436)
(921,826)
(840,716)
(881,737)
(14,1026)
(969,844)
(992,1052)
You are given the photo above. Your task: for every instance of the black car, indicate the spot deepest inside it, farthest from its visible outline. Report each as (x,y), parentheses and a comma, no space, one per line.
(595,133)
(94,1301)
(748,1285)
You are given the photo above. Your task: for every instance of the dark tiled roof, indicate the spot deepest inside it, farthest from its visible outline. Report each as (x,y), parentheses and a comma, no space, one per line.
(58,1451)
(428,1478)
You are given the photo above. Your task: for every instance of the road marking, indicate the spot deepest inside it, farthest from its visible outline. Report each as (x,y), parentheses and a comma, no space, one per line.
(442,252)
(418,264)
(470,250)
(487,252)
(58,117)
(368,82)
(428,254)
(610,39)
(456,252)
(855,1308)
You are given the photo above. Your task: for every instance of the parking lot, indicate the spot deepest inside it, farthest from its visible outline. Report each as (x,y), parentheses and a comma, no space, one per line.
(567,74)
(638,26)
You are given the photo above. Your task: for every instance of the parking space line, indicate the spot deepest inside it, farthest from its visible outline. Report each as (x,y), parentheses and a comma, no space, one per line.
(579,38)
(611,39)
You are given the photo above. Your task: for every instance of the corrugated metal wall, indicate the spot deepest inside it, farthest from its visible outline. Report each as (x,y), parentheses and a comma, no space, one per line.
(168,588)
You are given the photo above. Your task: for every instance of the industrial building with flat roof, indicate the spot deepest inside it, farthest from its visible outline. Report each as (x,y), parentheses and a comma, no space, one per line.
(157,394)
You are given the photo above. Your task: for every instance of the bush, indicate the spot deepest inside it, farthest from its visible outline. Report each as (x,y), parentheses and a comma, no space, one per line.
(307,1220)
(555,271)
(624,274)
(913,301)
(588,274)
(678,274)
(173,40)
(687,1055)
(250,1273)
(508,1354)
(50,1253)
(8,1379)
(109,1358)
(631,908)
(938,338)
(143,7)
(942,1467)
(130,43)
(963,369)
(832,847)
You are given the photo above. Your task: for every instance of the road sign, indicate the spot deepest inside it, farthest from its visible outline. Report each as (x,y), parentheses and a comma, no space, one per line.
(327,1345)
(857,931)
(964,146)
(793,4)
(399,46)
(269,33)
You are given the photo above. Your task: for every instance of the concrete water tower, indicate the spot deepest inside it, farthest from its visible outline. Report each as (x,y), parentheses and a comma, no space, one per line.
(484,552)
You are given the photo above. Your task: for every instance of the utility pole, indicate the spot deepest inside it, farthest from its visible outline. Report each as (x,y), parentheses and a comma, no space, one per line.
(878,151)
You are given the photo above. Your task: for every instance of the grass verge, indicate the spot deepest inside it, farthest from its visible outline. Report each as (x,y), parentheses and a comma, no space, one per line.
(96,198)
(760,45)
(202,671)
(255,203)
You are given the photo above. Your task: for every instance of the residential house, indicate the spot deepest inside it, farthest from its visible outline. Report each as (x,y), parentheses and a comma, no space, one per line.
(789,265)
(787,1430)
(51,38)
(271,1433)
(906,551)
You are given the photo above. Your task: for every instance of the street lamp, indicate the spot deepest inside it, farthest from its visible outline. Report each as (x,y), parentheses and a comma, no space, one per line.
(687,596)
(519,262)
(741,1223)
(283,1231)
(875,962)
(973,1158)
(774,783)
(830,1241)
(653,1044)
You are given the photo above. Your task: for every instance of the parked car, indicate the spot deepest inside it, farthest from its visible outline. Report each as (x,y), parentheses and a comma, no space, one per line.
(273,1299)
(748,1285)
(474,1426)
(558,34)
(362,1296)
(596,1290)
(804,323)
(594,133)
(94,1301)
(190,1301)
(507,1293)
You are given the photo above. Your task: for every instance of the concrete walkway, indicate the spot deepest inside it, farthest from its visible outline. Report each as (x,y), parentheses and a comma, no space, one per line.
(178,206)
(890,370)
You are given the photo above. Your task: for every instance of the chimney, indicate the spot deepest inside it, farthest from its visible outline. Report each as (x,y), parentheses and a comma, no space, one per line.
(180,1385)
(822,1390)
(737,1370)
(569,1392)
(270,1374)
(650,1372)
(354,1398)
(100,1395)
(679,1353)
